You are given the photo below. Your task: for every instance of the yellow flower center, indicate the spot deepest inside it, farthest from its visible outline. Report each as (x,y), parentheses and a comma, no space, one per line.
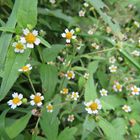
(50,107)
(19,46)
(37,99)
(118,86)
(114,68)
(25,68)
(65,90)
(68,35)
(135,90)
(69,74)
(74,95)
(16,100)
(94,106)
(30,38)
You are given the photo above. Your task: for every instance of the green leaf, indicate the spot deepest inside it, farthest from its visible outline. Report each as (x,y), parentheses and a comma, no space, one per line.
(49,78)
(90,88)
(67,134)
(120,125)
(6,37)
(49,127)
(88,127)
(109,130)
(114,25)
(111,102)
(18,126)
(13,62)
(27,13)
(44,42)
(130,58)
(50,54)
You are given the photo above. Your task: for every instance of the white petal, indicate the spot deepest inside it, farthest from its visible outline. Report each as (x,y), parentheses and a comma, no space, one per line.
(20,70)
(63,35)
(68,40)
(66,30)
(15,95)
(25,31)
(37,41)
(18,104)
(72,31)
(20,96)
(32,103)
(38,93)
(32,96)
(39,104)
(35,32)
(22,40)
(30,45)
(14,44)
(10,102)
(13,106)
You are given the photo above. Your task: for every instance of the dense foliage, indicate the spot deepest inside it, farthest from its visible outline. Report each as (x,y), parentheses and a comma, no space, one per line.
(69,70)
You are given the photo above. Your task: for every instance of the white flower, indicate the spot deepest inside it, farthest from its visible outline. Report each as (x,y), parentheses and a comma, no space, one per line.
(16,101)
(108,30)
(30,38)
(49,108)
(90,31)
(95,46)
(68,35)
(75,95)
(70,118)
(86,75)
(26,68)
(68,97)
(92,107)
(64,91)
(19,47)
(136,24)
(113,68)
(135,90)
(103,92)
(126,108)
(52,1)
(81,13)
(36,99)
(86,4)
(117,87)
(70,75)
(112,60)
(136,53)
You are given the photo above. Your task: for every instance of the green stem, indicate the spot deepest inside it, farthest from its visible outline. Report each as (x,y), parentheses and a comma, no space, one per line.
(31,83)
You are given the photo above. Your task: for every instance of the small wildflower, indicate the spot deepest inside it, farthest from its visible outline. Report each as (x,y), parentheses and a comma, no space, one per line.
(136,24)
(108,30)
(95,46)
(30,38)
(70,75)
(90,31)
(75,95)
(16,101)
(135,90)
(103,92)
(81,13)
(86,4)
(64,91)
(70,118)
(52,1)
(126,108)
(49,108)
(36,99)
(112,60)
(68,35)
(19,47)
(51,63)
(117,87)
(26,68)
(113,68)
(86,75)
(136,53)
(92,107)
